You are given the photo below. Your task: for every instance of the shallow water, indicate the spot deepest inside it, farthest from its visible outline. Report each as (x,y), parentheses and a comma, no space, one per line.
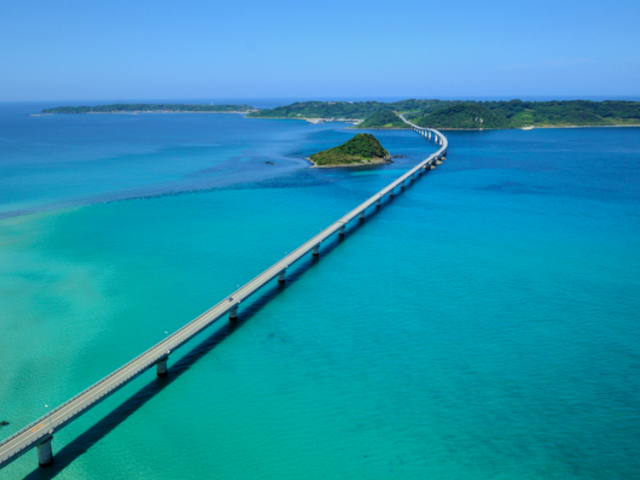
(483,324)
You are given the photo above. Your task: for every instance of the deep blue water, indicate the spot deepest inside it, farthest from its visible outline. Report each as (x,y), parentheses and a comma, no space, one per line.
(483,324)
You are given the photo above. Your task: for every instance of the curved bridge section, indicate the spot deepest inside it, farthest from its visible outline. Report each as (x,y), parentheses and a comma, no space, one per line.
(40,433)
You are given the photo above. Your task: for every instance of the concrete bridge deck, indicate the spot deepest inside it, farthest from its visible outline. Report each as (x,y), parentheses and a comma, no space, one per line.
(40,433)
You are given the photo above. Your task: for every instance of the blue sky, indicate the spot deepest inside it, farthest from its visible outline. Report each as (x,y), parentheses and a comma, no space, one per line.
(73,50)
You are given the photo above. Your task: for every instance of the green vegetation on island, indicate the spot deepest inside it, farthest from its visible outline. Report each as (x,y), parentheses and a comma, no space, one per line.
(519,114)
(382,119)
(458,114)
(441,114)
(344,110)
(152,108)
(363,149)
(462,115)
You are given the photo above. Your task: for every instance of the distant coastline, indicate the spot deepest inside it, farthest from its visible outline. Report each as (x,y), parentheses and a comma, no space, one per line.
(439,114)
(313,120)
(137,113)
(537,127)
(463,115)
(126,108)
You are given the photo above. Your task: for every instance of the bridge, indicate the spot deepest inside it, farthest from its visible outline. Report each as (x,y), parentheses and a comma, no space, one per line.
(39,433)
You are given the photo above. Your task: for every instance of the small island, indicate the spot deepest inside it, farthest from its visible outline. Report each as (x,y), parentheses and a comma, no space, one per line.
(363,149)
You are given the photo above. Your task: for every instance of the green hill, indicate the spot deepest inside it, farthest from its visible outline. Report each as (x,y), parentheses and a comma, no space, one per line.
(363,149)
(382,119)
(351,110)
(518,114)
(466,114)
(463,115)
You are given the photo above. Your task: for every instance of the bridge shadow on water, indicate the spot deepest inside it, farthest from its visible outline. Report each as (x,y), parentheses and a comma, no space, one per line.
(80,445)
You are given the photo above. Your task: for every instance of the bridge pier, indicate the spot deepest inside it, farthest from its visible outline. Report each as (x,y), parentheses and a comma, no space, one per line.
(378,202)
(161,367)
(45,453)
(281,276)
(316,251)
(391,193)
(402,187)
(362,215)
(233,314)
(341,231)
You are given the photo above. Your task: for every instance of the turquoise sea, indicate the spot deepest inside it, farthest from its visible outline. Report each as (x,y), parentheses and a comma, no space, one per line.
(484,324)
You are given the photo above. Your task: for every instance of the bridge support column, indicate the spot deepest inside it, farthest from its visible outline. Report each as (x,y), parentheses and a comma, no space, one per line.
(402,186)
(378,202)
(341,231)
(161,367)
(391,193)
(45,454)
(281,276)
(316,251)
(233,314)
(362,215)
